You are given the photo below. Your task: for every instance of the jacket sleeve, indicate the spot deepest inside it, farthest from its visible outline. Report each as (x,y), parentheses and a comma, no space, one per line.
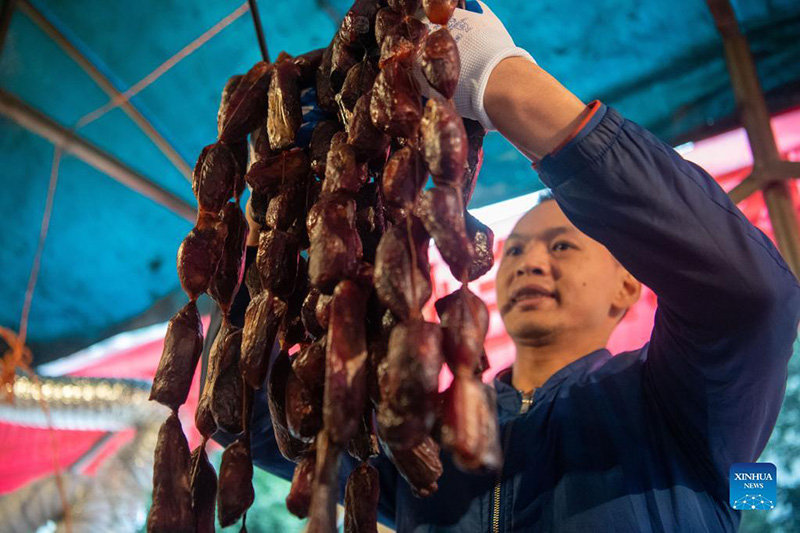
(264,448)
(728,305)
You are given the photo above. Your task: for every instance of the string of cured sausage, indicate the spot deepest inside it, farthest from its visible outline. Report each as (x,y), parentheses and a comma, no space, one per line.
(341,272)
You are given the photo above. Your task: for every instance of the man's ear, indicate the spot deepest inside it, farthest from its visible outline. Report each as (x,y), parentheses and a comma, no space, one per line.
(628,294)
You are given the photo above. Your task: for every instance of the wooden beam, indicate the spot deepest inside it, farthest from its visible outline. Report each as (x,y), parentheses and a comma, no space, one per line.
(40,124)
(745,188)
(763,177)
(783,217)
(105,84)
(747,90)
(784,170)
(752,107)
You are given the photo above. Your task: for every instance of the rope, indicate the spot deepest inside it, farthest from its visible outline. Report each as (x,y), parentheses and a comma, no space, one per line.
(18,355)
(164,67)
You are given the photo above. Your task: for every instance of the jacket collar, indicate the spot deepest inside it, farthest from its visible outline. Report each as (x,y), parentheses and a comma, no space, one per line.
(509,399)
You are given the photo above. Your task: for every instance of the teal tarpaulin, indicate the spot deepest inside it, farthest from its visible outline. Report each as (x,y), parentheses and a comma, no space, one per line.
(110,253)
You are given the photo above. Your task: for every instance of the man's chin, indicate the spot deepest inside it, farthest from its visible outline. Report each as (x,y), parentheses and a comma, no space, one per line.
(530,324)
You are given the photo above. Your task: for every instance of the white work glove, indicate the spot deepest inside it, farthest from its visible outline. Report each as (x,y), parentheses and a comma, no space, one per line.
(483,42)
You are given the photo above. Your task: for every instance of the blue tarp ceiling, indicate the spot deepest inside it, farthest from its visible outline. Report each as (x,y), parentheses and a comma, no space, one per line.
(110,253)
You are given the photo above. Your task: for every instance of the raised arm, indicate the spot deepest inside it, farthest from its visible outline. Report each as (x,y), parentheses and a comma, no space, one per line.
(530,108)
(728,304)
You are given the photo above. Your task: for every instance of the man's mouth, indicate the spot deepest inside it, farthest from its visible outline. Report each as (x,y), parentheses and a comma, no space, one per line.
(528,295)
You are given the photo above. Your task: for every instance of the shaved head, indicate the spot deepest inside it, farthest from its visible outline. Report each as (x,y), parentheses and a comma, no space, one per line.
(555,280)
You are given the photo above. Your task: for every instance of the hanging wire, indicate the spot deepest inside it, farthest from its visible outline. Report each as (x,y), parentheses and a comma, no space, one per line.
(262,42)
(18,356)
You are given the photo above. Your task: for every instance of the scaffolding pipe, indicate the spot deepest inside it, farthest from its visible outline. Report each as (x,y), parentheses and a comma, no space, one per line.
(105,84)
(40,124)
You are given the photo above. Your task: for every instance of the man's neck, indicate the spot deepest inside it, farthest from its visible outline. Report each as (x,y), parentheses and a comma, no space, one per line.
(535,363)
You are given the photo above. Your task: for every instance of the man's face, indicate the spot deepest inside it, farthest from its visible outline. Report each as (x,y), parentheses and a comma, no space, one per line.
(554,279)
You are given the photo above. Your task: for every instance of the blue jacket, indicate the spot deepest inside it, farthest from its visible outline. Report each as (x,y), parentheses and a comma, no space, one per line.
(643,441)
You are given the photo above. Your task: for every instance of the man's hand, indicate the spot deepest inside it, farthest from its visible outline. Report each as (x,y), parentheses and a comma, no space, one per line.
(483,42)
(502,87)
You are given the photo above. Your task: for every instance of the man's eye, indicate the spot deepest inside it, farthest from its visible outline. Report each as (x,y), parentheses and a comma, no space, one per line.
(513,250)
(561,246)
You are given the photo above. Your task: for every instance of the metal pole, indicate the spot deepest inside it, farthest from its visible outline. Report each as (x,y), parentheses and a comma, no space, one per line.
(768,168)
(262,41)
(35,121)
(5,20)
(141,122)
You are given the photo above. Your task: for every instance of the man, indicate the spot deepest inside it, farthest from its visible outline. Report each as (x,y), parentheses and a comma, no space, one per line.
(641,441)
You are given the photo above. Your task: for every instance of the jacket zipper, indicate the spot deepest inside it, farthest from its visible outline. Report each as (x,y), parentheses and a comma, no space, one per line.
(527,402)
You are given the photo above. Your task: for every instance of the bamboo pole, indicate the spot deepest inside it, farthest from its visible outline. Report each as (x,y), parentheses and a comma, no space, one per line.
(38,123)
(769,171)
(778,170)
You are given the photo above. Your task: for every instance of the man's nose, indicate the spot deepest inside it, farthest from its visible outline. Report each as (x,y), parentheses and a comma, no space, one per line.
(530,269)
(535,262)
